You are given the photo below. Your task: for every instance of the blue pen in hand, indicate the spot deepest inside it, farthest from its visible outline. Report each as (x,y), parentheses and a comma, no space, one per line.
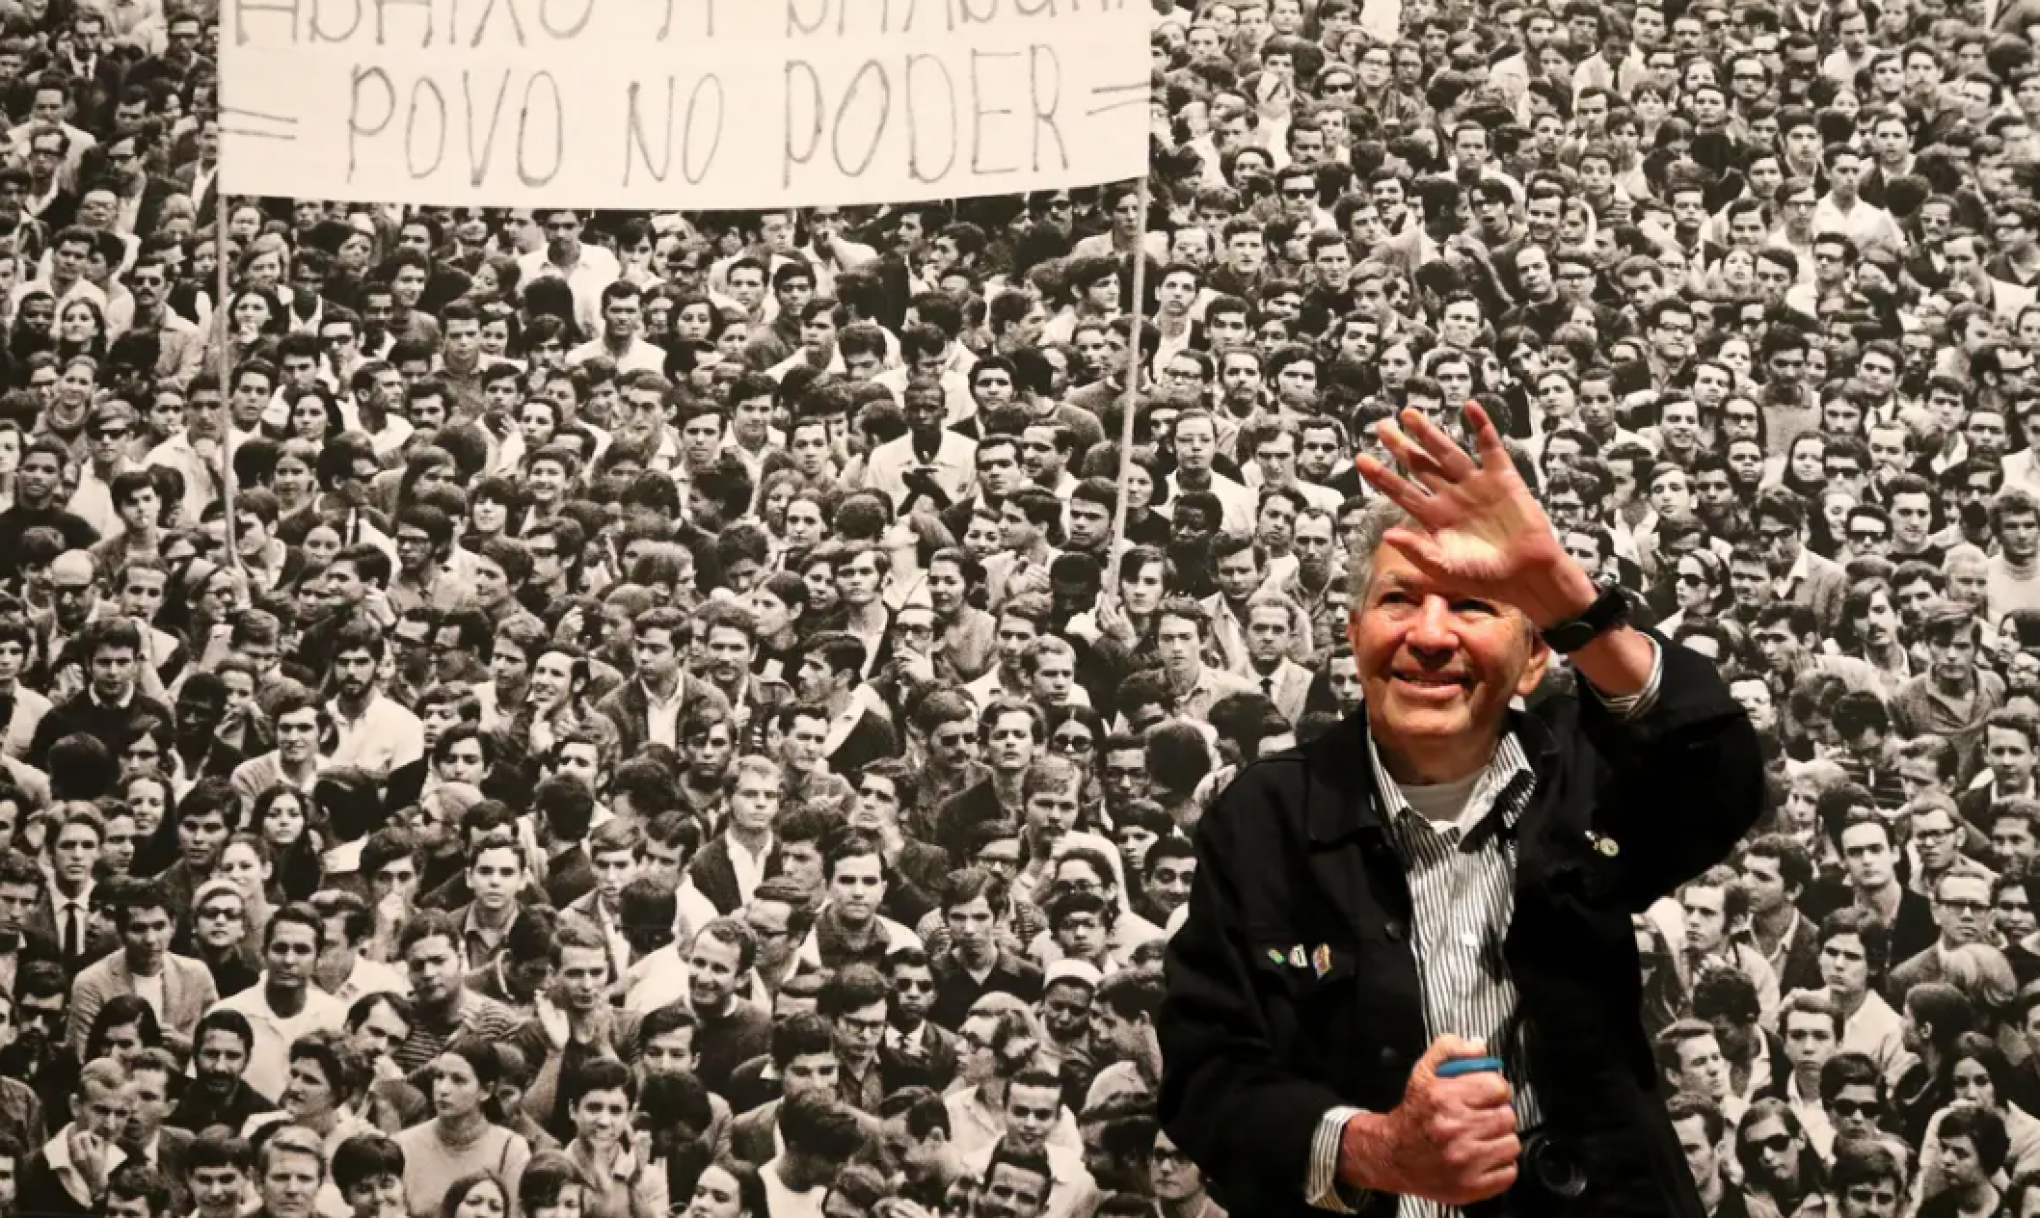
(1470,1065)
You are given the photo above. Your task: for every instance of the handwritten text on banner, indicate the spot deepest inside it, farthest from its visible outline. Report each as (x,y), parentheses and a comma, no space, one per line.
(680,103)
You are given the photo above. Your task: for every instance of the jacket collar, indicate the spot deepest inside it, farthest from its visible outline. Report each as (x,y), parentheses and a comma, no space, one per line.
(1332,821)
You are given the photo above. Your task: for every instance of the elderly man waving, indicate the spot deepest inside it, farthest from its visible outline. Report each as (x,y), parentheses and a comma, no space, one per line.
(1408,968)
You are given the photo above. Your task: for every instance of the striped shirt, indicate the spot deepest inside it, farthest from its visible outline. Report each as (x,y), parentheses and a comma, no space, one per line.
(479,1018)
(1462,878)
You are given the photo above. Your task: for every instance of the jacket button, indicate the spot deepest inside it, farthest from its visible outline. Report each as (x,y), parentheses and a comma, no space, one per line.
(1390,1059)
(1396,930)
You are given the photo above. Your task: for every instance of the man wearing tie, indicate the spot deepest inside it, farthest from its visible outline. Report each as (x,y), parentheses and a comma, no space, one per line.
(1272,619)
(65,913)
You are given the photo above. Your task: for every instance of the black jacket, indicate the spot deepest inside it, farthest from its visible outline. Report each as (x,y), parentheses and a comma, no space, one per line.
(1296,852)
(41,1190)
(85,714)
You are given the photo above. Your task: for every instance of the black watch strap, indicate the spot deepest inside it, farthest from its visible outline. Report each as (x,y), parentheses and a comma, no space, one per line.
(1608,609)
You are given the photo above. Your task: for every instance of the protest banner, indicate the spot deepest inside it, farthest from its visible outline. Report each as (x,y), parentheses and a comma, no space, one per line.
(680,103)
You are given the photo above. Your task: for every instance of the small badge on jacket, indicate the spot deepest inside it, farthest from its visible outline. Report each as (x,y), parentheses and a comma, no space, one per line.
(1607,847)
(1321,960)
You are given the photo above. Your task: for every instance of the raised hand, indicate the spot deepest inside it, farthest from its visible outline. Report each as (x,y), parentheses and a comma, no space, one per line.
(1112,620)
(916,668)
(1478,527)
(1032,579)
(89,1156)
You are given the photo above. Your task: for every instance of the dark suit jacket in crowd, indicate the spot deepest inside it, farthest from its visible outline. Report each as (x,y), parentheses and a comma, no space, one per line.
(749,1087)
(751,1133)
(41,927)
(871,740)
(716,876)
(569,876)
(629,710)
(1801,959)
(934,1066)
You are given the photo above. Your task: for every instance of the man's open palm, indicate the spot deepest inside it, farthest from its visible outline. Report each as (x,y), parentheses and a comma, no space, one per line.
(1479,527)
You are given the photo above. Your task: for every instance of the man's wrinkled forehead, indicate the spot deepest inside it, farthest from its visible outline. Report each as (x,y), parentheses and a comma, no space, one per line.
(1394,574)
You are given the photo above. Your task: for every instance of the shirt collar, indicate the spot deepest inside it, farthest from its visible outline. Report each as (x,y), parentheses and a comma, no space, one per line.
(1508,765)
(122,703)
(763,853)
(907,1040)
(471,927)
(58,901)
(1802,566)
(652,699)
(57,1152)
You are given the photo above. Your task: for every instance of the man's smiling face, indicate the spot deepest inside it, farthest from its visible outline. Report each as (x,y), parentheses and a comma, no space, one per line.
(1436,664)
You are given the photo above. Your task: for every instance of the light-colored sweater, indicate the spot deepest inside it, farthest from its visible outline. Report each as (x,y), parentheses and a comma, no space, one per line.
(431,1164)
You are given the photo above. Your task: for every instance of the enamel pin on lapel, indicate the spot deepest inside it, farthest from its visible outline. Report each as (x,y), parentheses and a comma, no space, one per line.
(1606,847)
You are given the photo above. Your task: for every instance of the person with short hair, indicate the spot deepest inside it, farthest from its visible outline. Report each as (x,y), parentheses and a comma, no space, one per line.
(111,701)
(601,1095)
(178,988)
(446,1009)
(819,1135)
(328,1081)
(290,1170)
(371,730)
(347,968)
(284,1005)
(218,1093)
(615,853)
(1461,593)
(368,1169)
(38,503)
(732,1029)
(69,1174)
(152,1075)
(649,708)
(303,733)
(217,1169)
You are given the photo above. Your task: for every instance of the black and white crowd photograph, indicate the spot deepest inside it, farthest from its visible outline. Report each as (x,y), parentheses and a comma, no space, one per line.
(1466,647)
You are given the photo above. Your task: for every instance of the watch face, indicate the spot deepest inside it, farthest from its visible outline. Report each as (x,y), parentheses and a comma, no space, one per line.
(1569,636)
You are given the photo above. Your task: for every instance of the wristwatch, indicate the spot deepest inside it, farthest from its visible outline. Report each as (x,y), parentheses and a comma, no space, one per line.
(1608,609)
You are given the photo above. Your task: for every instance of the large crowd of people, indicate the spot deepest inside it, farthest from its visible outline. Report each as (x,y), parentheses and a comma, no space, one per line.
(553,713)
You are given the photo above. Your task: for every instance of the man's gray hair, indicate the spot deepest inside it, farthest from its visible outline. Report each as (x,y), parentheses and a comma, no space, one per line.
(1381,515)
